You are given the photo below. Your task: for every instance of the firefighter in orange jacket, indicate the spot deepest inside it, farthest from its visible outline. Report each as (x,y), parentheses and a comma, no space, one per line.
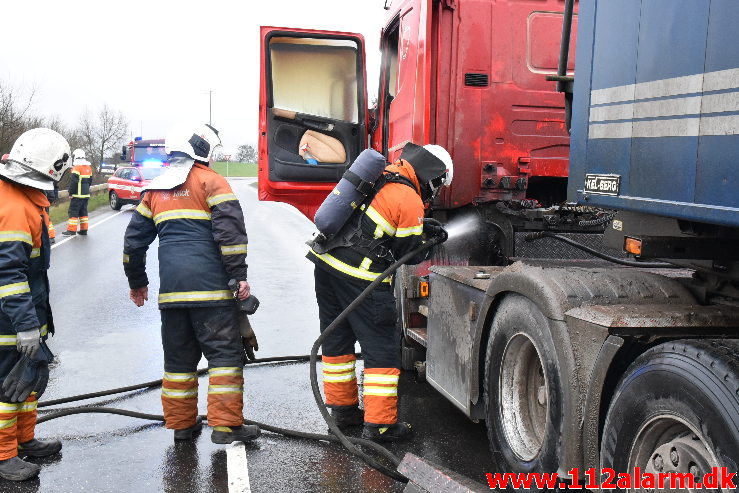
(79,194)
(202,244)
(391,226)
(38,159)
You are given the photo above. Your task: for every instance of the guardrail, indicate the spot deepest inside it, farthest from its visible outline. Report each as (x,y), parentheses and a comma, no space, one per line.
(63,194)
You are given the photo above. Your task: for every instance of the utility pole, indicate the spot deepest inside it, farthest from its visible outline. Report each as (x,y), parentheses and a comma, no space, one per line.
(210,107)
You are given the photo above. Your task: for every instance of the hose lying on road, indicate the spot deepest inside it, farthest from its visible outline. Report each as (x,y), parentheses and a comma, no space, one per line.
(348,442)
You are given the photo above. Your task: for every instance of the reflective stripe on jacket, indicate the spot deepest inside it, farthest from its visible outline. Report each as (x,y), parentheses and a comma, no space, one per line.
(80,180)
(396,213)
(24,260)
(202,241)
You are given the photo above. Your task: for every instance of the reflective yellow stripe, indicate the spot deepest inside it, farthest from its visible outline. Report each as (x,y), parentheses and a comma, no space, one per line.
(339,378)
(195,296)
(404,232)
(339,366)
(179,393)
(7,423)
(85,176)
(44,330)
(126,258)
(217,199)
(365,265)
(181,214)
(233,249)
(84,219)
(226,371)
(180,377)
(143,210)
(9,407)
(370,378)
(380,391)
(36,252)
(74,222)
(16,236)
(225,389)
(348,269)
(380,221)
(7,340)
(27,407)
(15,288)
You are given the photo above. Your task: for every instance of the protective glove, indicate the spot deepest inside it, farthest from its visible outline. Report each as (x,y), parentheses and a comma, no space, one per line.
(433,229)
(248,338)
(28,342)
(28,375)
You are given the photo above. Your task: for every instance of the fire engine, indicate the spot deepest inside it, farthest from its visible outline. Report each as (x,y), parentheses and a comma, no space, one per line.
(140,152)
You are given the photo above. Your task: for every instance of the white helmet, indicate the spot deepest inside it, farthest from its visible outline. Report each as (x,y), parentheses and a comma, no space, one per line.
(38,158)
(197,141)
(79,154)
(445,158)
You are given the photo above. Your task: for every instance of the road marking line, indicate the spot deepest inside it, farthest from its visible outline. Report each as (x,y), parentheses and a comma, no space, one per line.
(91,226)
(237,468)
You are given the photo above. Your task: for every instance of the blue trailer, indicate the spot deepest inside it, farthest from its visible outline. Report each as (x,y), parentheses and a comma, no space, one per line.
(631,362)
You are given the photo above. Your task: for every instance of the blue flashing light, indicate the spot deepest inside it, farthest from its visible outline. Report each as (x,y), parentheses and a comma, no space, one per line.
(152,163)
(137,138)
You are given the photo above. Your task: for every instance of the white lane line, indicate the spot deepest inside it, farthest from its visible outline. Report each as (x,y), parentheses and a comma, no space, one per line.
(238,468)
(91,226)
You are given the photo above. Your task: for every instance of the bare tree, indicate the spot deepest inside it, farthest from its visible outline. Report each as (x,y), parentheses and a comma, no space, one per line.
(14,112)
(246,154)
(101,134)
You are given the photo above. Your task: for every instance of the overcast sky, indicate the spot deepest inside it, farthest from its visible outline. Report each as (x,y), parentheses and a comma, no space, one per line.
(156,60)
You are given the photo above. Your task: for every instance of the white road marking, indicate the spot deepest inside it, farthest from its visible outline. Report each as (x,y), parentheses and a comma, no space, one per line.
(238,468)
(91,226)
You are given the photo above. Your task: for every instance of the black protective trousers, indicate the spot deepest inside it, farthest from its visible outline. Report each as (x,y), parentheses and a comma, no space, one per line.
(372,323)
(78,207)
(213,332)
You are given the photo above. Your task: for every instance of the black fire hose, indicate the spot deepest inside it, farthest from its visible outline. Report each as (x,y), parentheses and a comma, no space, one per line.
(314,359)
(647,265)
(348,442)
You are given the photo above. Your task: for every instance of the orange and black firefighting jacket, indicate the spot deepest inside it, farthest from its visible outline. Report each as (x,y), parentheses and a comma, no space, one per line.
(202,241)
(80,181)
(24,261)
(391,226)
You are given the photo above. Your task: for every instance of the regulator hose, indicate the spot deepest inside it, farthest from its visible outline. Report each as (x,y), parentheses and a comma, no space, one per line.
(649,265)
(314,359)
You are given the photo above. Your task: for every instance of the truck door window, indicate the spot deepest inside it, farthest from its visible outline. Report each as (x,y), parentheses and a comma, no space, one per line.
(315,77)
(389,81)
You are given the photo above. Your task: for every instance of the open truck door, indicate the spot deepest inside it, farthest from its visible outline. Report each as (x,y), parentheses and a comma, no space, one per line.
(312,90)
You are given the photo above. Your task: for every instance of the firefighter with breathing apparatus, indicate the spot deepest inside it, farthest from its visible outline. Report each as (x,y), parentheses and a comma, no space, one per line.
(202,244)
(36,162)
(374,216)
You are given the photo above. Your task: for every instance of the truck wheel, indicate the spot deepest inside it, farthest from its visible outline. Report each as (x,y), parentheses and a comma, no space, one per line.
(676,409)
(522,389)
(115,202)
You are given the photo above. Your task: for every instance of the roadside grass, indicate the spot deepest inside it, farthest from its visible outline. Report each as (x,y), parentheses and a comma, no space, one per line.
(58,213)
(236,169)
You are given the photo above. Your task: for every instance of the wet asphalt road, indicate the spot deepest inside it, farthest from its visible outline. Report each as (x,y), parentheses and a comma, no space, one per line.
(103,341)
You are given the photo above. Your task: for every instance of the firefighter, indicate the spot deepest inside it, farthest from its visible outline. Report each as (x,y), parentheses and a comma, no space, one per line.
(202,244)
(37,160)
(389,228)
(79,193)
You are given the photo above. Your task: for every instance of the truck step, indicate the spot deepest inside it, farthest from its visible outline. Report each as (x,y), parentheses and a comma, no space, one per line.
(419,335)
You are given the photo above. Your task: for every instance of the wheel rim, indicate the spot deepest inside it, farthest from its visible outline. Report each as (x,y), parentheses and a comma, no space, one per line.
(668,444)
(113,199)
(524,399)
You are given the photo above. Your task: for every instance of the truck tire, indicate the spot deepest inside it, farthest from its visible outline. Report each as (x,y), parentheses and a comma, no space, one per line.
(676,409)
(115,201)
(522,389)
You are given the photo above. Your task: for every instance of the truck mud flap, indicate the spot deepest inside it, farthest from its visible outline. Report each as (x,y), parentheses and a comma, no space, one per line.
(426,477)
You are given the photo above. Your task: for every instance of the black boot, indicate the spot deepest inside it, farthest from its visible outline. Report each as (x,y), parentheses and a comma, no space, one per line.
(15,469)
(387,433)
(189,433)
(347,416)
(39,448)
(228,434)
(82,232)
(69,233)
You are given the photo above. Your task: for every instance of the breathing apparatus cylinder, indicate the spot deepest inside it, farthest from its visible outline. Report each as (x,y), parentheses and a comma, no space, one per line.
(356,183)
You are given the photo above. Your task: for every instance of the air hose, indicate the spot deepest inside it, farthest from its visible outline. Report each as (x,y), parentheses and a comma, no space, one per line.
(348,442)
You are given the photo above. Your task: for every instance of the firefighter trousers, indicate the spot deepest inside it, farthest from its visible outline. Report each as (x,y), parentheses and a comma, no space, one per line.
(78,214)
(373,325)
(188,334)
(17,419)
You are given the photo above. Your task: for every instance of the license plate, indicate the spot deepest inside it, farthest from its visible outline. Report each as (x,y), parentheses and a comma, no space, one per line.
(603,184)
